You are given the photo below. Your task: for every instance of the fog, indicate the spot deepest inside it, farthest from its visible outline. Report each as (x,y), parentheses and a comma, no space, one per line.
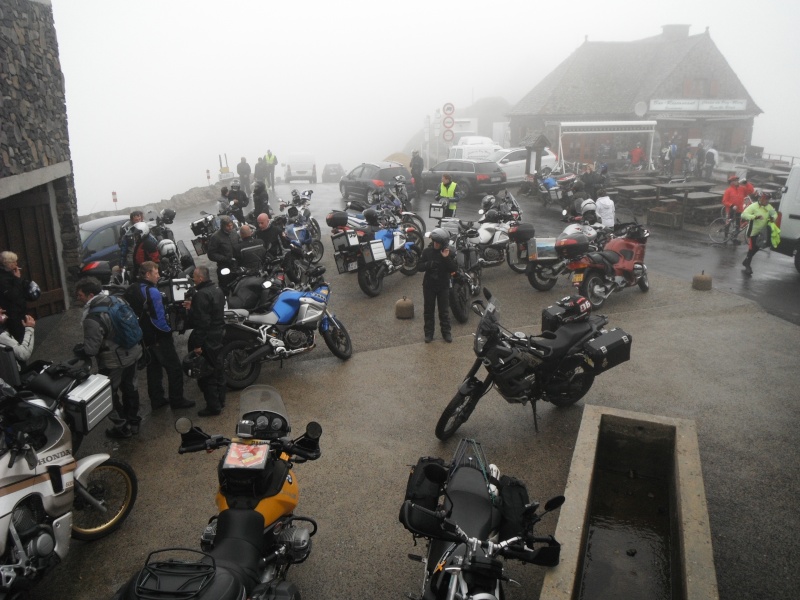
(157,89)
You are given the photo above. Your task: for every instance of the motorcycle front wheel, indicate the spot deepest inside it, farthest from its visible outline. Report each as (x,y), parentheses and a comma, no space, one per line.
(456,414)
(541,277)
(318,249)
(416,238)
(316,232)
(644,282)
(337,339)
(238,375)
(590,287)
(512,258)
(459,300)
(416,222)
(411,262)
(114,484)
(370,282)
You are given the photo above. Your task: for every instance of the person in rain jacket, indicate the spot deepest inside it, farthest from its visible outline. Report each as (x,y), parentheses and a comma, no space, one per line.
(761,215)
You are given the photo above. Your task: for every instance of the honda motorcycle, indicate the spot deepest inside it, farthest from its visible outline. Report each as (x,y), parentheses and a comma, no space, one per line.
(281,328)
(374,255)
(248,547)
(558,365)
(483,519)
(47,495)
(619,265)
(498,240)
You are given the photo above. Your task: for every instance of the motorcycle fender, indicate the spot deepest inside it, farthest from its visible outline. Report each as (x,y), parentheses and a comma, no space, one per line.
(88,464)
(62,529)
(470,385)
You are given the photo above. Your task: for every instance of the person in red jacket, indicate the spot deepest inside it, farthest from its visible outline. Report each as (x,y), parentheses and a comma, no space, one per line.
(745,189)
(637,155)
(733,202)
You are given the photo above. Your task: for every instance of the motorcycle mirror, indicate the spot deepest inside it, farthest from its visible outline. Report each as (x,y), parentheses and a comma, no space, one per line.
(266,285)
(183,425)
(554,503)
(313,430)
(427,234)
(435,473)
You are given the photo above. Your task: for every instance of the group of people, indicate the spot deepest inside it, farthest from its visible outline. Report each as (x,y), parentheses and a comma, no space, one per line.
(263,172)
(760,214)
(16,326)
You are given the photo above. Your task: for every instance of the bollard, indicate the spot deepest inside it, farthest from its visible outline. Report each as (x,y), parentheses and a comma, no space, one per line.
(404,308)
(701,282)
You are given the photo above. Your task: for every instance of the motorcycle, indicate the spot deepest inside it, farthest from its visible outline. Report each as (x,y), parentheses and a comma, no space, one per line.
(467,279)
(49,496)
(281,329)
(619,265)
(400,192)
(303,204)
(558,365)
(374,255)
(498,240)
(550,188)
(248,547)
(384,201)
(484,519)
(300,232)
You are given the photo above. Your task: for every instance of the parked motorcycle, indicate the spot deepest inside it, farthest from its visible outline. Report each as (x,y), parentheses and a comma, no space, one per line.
(248,547)
(498,240)
(558,365)
(484,519)
(550,188)
(389,204)
(281,329)
(300,232)
(467,279)
(302,201)
(374,254)
(49,496)
(619,265)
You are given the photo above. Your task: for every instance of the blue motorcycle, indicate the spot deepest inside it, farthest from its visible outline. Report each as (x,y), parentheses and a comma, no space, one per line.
(283,327)
(300,234)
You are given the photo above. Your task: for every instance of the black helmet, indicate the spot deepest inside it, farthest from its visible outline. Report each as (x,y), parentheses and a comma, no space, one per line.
(488,202)
(295,194)
(235,185)
(196,365)
(440,236)
(168,216)
(371,215)
(577,185)
(260,186)
(492,216)
(576,309)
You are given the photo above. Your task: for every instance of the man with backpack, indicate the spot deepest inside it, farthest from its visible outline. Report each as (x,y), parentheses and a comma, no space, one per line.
(111,334)
(148,304)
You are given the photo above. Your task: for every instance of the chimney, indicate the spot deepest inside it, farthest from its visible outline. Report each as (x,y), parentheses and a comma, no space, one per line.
(675,31)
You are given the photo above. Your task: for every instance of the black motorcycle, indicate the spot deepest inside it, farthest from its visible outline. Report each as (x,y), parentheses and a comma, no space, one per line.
(467,278)
(558,365)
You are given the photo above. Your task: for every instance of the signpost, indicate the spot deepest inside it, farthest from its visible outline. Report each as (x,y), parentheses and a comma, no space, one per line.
(114,198)
(448,109)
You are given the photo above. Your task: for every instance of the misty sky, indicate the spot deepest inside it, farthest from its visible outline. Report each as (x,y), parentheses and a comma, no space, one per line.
(157,89)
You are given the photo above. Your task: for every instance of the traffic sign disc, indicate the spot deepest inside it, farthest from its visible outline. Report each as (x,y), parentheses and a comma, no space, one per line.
(448,108)
(448,135)
(448,122)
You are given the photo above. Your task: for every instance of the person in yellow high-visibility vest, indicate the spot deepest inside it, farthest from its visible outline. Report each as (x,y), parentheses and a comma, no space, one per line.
(271,161)
(447,191)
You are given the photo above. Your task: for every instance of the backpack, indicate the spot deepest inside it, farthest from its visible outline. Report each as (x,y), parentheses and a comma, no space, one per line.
(424,492)
(515,497)
(124,322)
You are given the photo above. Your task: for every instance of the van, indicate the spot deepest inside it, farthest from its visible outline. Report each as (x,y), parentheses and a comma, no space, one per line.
(789,217)
(474,152)
(300,165)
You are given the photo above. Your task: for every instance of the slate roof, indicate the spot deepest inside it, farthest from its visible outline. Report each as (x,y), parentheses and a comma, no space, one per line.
(609,78)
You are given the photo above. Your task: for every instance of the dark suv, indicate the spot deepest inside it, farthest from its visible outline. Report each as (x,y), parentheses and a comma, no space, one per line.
(368,177)
(471,176)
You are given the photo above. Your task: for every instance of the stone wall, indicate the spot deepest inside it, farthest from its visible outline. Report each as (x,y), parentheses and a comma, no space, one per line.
(33,115)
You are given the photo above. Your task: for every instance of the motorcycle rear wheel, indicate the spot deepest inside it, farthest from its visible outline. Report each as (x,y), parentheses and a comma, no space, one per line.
(411,263)
(416,222)
(512,258)
(540,277)
(575,391)
(456,414)
(114,484)
(587,289)
(318,249)
(369,281)
(238,375)
(338,340)
(416,238)
(459,301)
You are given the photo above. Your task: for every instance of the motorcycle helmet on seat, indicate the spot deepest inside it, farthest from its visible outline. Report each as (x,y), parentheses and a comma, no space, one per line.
(576,309)
(295,195)
(168,216)
(588,206)
(440,236)
(491,216)
(167,247)
(371,216)
(399,179)
(306,195)
(488,202)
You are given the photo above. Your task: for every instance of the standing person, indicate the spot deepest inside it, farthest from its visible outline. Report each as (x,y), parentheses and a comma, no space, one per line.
(447,192)
(745,189)
(591,181)
(733,202)
(22,350)
(261,199)
(220,247)
(438,265)
(243,169)
(271,235)
(252,259)
(700,157)
(260,171)
(145,245)
(760,214)
(710,161)
(237,200)
(637,155)
(13,293)
(416,167)
(148,304)
(223,204)
(113,361)
(206,308)
(136,216)
(605,209)
(272,162)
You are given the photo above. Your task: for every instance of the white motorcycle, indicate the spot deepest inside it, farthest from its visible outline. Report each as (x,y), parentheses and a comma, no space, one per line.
(47,495)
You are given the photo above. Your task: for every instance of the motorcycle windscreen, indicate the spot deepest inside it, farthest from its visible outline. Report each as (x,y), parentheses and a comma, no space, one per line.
(286,306)
(265,400)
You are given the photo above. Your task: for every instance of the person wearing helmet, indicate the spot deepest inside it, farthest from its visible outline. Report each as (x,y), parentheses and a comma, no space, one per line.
(261,199)
(733,202)
(761,216)
(589,212)
(605,209)
(243,169)
(447,192)
(416,167)
(237,200)
(438,264)
(145,245)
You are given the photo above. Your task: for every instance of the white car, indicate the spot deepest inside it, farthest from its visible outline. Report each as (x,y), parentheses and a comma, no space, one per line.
(300,165)
(512,161)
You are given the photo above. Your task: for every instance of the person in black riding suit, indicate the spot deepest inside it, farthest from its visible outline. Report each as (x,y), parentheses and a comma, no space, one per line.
(438,264)
(261,199)
(416,167)
(239,198)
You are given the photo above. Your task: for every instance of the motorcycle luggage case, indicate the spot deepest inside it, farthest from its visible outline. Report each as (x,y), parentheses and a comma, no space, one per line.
(337,218)
(204,225)
(572,245)
(344,240)
(608,350)
(89,403)
(521,232)
(421,491)
(436,210)
(177,290)
(551,317)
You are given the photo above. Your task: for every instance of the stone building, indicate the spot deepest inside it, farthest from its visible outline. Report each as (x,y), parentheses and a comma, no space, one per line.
(38,208)
(681,81)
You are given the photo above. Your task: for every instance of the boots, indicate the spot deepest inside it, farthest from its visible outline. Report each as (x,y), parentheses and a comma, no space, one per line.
(746,264)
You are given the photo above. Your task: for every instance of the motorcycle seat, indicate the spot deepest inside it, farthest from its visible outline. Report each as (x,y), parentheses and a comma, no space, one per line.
(472,507)
(607,256)
(556,344)
(239,544)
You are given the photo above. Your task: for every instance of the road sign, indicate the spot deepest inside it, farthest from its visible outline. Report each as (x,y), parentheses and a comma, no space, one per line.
(114,197)
(448,135)
(448,122)
(448,109)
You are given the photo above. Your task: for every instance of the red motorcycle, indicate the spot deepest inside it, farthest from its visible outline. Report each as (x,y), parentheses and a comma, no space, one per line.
(620,264)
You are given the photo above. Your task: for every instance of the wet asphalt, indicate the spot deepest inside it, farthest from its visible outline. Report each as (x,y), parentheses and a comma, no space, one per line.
(721,358)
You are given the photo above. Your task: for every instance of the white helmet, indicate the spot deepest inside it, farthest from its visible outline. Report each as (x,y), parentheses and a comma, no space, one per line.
(140,229)
(588,205)
(167,247)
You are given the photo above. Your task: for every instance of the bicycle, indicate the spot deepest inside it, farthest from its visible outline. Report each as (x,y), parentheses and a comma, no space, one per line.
(722,230)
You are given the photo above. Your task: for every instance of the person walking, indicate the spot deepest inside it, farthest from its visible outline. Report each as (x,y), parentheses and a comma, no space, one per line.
(113,361)
(447,192)
(13,293)
(148,304)
(220,247)
(272,162)
(438,265)
(205,317)
(244,171)
(416,167)
(22,350)
(761,215)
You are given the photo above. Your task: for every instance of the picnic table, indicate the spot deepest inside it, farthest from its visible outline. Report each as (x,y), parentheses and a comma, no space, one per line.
(636,197)
(700,207)
(669,189)
(765,175)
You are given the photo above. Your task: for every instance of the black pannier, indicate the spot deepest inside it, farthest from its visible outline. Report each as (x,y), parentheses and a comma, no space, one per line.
(423,492)
(514,496)
(609,350)
(521,232)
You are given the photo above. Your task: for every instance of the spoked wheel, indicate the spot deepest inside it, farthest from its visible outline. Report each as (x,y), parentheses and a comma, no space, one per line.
(337,339)
(114,485)
(716,231)
(316,232)
(541,277)
(592,288)
(411,261)
(370,282)
(459,300)
(456,414)
(318,249)
(237,374)
(416,222)
(517,264)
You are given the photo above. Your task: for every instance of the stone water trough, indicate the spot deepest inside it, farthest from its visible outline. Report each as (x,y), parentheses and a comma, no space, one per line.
(635,523)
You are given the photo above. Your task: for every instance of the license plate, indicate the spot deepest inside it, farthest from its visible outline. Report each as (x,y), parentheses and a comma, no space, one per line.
(495,179)
(577,277)
(353,266)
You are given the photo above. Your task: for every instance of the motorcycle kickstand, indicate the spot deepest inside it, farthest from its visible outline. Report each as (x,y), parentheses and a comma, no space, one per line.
(535,419)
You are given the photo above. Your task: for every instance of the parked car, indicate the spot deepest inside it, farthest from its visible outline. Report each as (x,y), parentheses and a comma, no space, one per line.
(100,239)
(512,161)
(368,177)
(471,176)
(331,173)
(300,165)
